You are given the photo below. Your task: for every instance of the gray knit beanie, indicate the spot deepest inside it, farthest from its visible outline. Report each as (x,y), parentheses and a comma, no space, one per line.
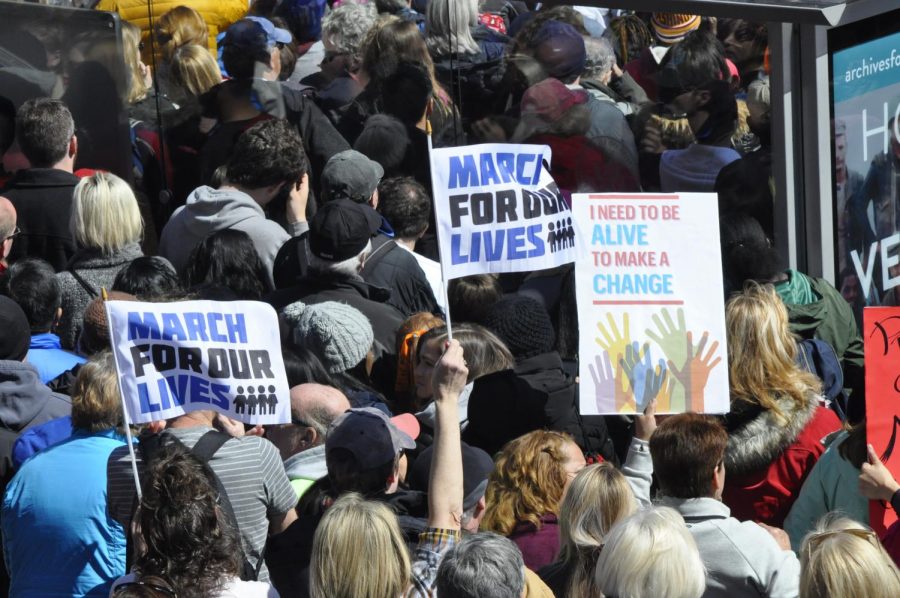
(339,334)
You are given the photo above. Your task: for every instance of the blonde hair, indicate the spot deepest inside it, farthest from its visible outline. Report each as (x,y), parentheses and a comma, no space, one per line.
(844,558)
(105,213)
(597,498)
(96,405)
(527,482)
(131,40)
(762,351)
(651,554)
(194,69)
(179,27)
(359,552)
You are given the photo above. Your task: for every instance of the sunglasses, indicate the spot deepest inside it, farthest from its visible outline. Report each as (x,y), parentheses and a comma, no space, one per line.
(153,586)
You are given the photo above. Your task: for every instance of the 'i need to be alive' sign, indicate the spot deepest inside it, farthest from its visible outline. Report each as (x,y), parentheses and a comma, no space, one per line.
(648,284)
(174,358)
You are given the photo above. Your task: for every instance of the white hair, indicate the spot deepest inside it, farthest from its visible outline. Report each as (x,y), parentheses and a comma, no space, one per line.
(346,26)
(448,27)
(600,57)
(651,554)
(348,268)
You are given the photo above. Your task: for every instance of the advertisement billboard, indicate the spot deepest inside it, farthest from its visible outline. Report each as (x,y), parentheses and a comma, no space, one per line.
(865,103)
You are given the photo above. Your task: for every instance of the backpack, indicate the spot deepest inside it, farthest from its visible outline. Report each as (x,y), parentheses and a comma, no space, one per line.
(819,358)
(206,447)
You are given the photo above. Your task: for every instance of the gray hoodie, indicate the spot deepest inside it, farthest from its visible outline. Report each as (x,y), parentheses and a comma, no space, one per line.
(742,560)
(307,465)
(24,402)
(210,210)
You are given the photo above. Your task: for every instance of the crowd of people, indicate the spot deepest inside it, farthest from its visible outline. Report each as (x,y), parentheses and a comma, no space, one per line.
(279,153)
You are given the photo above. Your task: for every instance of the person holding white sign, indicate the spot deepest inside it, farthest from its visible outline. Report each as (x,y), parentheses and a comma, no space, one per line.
(249,467)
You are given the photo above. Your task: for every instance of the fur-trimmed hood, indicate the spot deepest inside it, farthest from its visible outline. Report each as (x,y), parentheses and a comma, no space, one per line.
(757,440)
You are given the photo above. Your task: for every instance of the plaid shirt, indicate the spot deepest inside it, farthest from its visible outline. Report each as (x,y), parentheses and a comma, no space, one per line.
(433,545)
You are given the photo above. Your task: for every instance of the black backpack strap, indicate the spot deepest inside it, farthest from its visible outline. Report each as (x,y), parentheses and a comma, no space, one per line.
(84,284)
(204,450)
(209,444)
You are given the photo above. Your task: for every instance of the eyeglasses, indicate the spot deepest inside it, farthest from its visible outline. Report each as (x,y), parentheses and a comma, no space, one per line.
(158,587)
(814,540)
(16,232)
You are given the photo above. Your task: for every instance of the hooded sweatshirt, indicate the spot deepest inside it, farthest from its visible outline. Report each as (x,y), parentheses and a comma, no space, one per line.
(24,402)
(304,468)
(210,210)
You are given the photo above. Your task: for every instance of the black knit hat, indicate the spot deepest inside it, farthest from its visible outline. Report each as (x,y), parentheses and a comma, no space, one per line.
(523,324)
(16,337)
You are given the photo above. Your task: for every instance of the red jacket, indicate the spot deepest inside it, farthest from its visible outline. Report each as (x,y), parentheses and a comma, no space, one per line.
(767,461)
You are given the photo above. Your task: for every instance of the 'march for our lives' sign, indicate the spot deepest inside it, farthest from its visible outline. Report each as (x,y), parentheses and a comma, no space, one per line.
(498,210)
(173,358)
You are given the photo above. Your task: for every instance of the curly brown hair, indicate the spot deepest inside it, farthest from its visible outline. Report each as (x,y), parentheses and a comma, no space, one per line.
(185,535)
(528,481)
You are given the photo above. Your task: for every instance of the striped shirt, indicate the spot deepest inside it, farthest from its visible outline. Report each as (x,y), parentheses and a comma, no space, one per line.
(251,472)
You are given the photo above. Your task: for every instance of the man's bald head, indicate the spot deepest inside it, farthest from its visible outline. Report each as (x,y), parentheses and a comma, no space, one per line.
(317,406)
(313,408)
(7,226)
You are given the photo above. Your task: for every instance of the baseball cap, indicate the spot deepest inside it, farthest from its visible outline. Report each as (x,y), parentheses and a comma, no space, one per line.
(372,437)
(254,33)
(341,229)
(350,175)
(477,467)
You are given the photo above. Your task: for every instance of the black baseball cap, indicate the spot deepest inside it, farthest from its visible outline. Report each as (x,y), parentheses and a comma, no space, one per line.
(341,229)
(477,467)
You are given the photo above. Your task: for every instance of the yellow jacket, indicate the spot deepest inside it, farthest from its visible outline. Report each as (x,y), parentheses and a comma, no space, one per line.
(218,14)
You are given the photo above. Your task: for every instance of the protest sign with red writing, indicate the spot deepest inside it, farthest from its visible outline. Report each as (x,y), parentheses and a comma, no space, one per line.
(881,334)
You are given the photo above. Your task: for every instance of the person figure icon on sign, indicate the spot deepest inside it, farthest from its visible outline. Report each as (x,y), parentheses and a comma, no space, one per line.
(240,401)
(252,401)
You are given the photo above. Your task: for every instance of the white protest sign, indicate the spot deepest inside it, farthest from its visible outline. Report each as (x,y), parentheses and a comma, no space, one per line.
(650,303)
(498,210)
(173,358)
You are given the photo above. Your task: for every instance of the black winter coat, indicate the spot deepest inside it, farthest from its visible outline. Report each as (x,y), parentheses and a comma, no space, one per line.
(43,201)
(392,267)
(536,394)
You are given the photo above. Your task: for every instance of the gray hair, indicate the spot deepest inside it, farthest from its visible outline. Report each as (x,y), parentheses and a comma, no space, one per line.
(449,21)
(600,57)
(318,417)
(346,26)
(348,268)
(483,565)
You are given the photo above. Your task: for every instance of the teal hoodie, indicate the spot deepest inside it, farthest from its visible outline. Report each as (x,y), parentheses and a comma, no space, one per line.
(832,485)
